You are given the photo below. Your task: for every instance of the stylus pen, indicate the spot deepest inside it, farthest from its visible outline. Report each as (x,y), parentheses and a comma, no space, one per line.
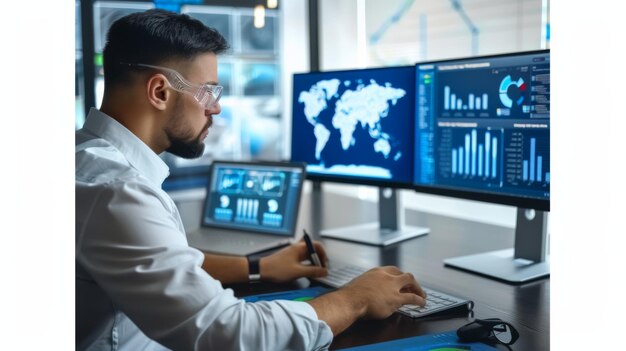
(311,249)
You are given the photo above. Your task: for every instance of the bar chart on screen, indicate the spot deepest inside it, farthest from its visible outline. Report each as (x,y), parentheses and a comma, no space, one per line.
(473,101)
(472,155)
(528,159)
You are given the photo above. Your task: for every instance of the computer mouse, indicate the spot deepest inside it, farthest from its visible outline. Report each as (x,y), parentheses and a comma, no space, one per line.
(473,332)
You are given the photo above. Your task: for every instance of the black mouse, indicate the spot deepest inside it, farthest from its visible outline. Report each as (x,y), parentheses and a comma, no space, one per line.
(473,332)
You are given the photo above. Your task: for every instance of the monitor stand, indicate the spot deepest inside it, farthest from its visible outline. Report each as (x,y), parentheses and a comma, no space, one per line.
(389,230)
(526,262)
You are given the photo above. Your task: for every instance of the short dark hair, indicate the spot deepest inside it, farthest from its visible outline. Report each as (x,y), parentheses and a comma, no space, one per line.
(152,37)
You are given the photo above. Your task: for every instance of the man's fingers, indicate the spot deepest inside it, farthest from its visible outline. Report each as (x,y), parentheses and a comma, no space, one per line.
(412,299)
(303,252)
(321,252)
(314,271)
(415,289)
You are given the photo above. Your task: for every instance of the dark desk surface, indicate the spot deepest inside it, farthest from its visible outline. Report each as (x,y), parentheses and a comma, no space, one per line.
(527,306)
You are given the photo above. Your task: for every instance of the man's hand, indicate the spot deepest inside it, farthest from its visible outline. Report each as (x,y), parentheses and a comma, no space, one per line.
(286,264)
(375,294)
(381,291)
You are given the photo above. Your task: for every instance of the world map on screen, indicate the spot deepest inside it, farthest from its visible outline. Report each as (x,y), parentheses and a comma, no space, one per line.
(356,105)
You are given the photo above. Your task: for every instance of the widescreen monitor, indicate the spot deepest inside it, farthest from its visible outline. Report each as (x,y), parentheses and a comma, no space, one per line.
(482,132)
(482,128)
(355,126)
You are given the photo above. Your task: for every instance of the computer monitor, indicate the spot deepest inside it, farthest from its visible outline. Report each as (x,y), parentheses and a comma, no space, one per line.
(482,132)
(356,126)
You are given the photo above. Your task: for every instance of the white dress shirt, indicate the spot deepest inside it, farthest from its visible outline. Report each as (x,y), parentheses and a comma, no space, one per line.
(139,286)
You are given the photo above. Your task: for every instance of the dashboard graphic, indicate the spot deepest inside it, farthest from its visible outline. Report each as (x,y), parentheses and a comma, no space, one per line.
(259,197)
(488,91)
(483,124)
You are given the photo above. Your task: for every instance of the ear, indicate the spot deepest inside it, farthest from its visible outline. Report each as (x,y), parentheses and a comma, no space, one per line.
(157,91)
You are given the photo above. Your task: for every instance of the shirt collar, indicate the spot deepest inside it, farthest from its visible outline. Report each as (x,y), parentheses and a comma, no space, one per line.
(138,154)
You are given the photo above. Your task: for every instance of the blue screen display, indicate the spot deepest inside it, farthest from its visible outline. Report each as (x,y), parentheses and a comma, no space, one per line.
(483,124)
(253,197)
(355,124)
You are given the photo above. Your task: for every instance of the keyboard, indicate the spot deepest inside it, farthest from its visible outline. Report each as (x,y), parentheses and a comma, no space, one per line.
(436,301)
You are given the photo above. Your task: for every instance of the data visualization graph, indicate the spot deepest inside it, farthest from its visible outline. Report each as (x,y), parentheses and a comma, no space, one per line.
(273,184)
(471,155)
(507,83)
(530,164)
(252,197)
(493,93)
(483,124)
(230,182)
(528,159)
(474,102)
(247,210)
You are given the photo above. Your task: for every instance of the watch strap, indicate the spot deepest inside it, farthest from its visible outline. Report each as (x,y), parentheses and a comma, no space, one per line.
(254,270)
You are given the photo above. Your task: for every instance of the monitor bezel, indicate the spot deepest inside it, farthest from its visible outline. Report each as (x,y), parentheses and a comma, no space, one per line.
(285,164)
(491,197)
(353,179)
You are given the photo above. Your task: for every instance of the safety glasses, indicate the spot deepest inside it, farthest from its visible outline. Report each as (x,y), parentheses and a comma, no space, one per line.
(207,95)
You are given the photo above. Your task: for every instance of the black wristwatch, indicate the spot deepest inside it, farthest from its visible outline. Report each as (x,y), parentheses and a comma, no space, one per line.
(254,270)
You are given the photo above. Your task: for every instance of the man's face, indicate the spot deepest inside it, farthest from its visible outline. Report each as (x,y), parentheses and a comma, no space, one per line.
(189,122)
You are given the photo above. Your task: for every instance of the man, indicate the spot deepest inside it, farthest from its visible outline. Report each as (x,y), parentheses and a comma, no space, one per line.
(139,286)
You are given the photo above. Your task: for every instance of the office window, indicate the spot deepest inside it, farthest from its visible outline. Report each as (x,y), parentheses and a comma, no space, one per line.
(258,40)
(427,30)
(370,33)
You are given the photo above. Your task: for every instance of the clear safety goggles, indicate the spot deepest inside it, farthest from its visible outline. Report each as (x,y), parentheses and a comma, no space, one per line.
(207,95)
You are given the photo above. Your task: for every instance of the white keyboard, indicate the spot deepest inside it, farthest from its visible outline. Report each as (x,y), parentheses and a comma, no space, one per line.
(436,301)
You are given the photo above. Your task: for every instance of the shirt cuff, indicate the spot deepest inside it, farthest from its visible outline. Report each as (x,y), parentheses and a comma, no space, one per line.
(320,334)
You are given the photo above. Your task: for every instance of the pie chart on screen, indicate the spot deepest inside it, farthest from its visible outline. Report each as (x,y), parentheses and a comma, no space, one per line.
(506,83)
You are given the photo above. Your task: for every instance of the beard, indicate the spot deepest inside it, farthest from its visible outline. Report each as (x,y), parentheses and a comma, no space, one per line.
(186,149)
(182,142)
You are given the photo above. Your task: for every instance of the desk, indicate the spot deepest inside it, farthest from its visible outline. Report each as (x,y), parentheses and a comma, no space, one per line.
(527,307)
